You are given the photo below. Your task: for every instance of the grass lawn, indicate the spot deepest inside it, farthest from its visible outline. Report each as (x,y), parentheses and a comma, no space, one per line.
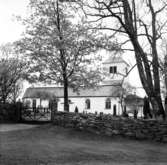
(53,145)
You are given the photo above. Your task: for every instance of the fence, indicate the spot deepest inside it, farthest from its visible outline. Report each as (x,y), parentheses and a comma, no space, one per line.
(36,114)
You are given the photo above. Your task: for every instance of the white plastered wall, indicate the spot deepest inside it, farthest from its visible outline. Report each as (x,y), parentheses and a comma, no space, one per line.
(121,70)
(97,104)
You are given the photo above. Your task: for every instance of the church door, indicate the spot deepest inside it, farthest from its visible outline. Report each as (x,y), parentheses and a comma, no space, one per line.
(114,110)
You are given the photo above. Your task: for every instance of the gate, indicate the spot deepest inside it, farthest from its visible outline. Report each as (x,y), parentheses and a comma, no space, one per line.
(36,114)
(39,113)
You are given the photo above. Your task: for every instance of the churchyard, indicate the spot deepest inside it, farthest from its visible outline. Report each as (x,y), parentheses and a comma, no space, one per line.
(54,145)
(81,80)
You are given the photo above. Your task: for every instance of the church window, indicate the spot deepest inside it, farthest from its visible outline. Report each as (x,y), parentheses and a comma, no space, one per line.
(113,69)
(108,103)
(87,104)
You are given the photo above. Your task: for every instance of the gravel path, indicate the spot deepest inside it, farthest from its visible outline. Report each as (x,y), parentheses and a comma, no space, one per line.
(14,127)
(52,145)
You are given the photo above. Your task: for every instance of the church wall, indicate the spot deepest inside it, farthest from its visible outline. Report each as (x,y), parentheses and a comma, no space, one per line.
(121,68)
(29,102)
(45,103)
(97,105)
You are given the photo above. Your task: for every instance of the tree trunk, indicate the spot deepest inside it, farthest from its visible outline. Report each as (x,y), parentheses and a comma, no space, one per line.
(161,108)
(157,107)
(151,89)
(165,71)
(149,75)
(66,102)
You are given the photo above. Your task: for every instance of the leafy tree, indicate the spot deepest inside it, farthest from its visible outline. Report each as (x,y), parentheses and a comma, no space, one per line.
(163,66)
(58,49)
(16,91)
(12,71)
(141,25)
(127,89)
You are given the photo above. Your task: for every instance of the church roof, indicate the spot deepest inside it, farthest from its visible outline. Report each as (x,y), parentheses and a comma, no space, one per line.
(99,91)
(115,59)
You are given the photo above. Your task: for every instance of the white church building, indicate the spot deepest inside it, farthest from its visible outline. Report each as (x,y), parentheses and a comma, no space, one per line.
(104,98)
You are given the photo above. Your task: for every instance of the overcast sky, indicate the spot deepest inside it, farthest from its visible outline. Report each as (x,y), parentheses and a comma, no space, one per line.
(10,29)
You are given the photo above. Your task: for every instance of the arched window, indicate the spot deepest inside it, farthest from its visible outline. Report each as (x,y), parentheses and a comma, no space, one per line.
(108,103)
(87,104)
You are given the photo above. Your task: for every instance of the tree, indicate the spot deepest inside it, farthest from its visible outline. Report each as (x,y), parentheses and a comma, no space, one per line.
(12,71)
(58,49)
(127,89)
(163,66)
(146,109)
(144,31)
(165,71)
(16,91)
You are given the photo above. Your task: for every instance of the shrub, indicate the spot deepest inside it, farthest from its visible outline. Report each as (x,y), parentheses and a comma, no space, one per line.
(10,112)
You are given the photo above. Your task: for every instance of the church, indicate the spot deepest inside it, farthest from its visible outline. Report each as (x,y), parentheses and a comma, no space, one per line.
(104,98)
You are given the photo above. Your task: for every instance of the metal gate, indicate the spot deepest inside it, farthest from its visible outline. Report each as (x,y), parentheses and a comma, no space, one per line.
(39,113)
(36,114)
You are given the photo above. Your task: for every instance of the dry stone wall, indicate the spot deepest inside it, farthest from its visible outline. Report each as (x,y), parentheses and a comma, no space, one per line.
(111,126)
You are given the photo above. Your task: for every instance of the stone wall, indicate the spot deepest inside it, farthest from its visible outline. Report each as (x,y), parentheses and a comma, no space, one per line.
(111,126)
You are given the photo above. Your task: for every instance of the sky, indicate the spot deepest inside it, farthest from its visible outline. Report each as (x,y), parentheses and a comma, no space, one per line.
(11,29)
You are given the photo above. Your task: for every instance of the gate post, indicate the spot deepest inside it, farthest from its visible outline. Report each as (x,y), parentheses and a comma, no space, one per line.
(53,109)
(19,107)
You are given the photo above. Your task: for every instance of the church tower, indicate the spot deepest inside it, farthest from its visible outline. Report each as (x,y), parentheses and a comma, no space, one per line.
(115,69)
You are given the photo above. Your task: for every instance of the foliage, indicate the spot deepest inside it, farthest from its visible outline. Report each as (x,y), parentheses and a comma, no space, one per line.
(127,89)
(12,70)
(10,112)
(27,104)
(138,31)
(163,66)
(60,51)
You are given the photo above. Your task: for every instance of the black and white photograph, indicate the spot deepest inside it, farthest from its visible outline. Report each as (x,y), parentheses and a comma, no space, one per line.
(83,82)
